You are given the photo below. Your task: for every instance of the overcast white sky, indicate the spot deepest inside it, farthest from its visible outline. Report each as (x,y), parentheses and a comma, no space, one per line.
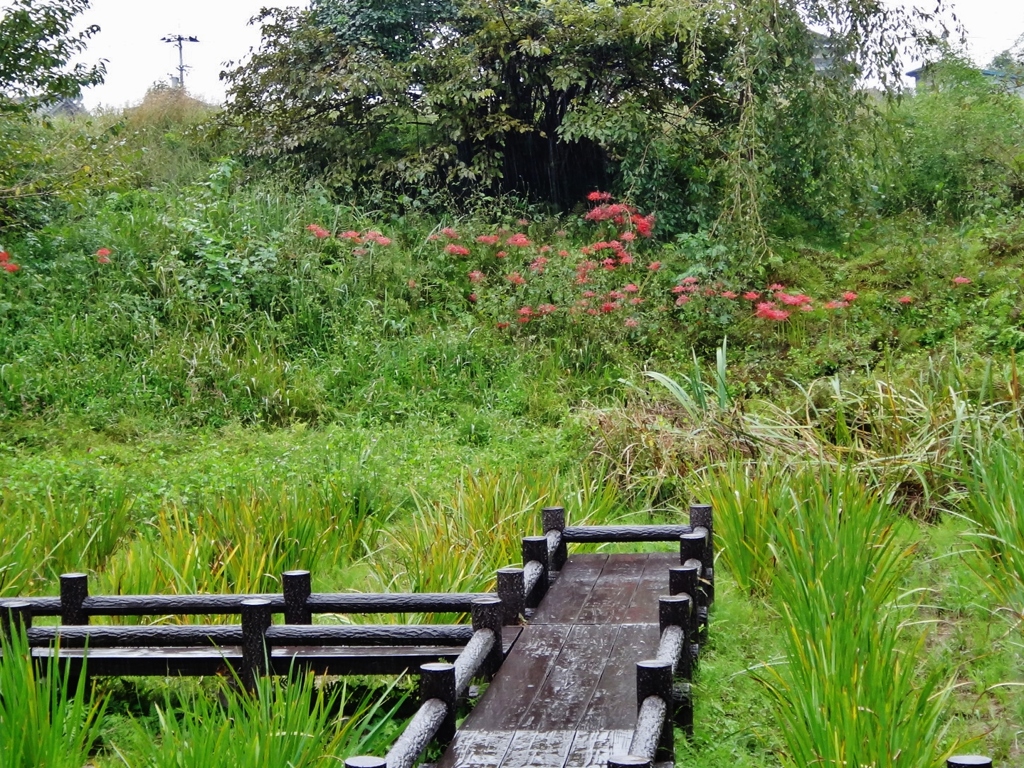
(136,58)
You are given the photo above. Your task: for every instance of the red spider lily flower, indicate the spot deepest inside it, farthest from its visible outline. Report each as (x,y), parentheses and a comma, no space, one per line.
(776,287)
(384,241)
(538,265)
(545,249)
(501,254)
(519,240)
(372,236)
(582,280)
(586,250)
(679,289)
(450,233)
(103,252)
(763,307)
(592,311)
(682,300)
(849,296)
(456,250)
(524,320)
(625,259)
(961,280)
(318,231)
(4,257)
(631,322)
(525,311)
(792,300)
(350,235)
(609,306)
(546,309)
(836,304)
(631,288)
(689,281)
(432,238)
(806,308)
(768,311)
(905,299)
(102,259)
(729,295)
(411,283)
(472,298)
(10,266)
(644,224)
(589,294)
(501,326)
(609,264)
(627,237)
(488,239)
(709,291)
(516,279)
(359,251)
(636,300)
(599,197)
(616,295)
(476,276)
(563,253)
(751,295)
(654,266)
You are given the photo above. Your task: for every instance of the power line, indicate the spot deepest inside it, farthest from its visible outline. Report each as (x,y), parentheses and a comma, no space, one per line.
(180,41)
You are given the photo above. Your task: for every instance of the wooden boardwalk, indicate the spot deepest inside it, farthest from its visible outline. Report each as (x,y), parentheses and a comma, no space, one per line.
(566,694)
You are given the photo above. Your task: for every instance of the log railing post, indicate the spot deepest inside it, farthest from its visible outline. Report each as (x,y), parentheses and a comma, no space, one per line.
(510,592)
(365,761)
(535,549)
(437,681)
(654,678)
(15,616)
(629,761)
(297,587)
(74,588)
(488,613)
(554,524)
(255,652)
(683,580)
(969,761)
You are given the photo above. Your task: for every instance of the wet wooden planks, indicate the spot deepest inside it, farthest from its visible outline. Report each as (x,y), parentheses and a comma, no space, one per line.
(566,695)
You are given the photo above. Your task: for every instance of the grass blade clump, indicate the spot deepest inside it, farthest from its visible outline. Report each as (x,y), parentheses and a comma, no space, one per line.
(848,692)
(750,500)
(45,720)
(995,505)
(283,724)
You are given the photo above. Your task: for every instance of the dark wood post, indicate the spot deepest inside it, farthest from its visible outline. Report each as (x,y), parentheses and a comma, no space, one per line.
(15,616)
(682,580)
(437,681)
(536,548)
(674,611)
(364,761)
(554,520)
(654,678)
(683,717)
(255,653)
(510,592)
(629,761)
(74,588)
(297,587)
(488,614)
(969,761)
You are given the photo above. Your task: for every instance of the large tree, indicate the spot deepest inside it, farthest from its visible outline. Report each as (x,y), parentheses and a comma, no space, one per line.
(695,108)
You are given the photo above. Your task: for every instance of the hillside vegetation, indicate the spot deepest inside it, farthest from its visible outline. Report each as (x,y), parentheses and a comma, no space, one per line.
(229,348)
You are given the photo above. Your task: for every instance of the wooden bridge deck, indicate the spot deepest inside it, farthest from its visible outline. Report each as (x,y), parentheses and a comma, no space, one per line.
(566,695)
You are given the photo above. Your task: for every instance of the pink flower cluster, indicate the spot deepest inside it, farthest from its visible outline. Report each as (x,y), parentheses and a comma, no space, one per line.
(369,237)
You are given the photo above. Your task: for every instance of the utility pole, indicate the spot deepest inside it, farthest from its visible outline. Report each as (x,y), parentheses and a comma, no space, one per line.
(180,41)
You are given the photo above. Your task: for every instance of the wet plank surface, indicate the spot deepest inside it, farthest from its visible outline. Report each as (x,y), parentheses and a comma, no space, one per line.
(566,695)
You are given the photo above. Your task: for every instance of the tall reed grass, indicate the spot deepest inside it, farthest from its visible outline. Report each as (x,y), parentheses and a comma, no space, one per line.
(849,692)
(45,718)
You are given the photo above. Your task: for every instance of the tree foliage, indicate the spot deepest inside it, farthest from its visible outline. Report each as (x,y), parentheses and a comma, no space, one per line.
(711,113)
(37,44)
